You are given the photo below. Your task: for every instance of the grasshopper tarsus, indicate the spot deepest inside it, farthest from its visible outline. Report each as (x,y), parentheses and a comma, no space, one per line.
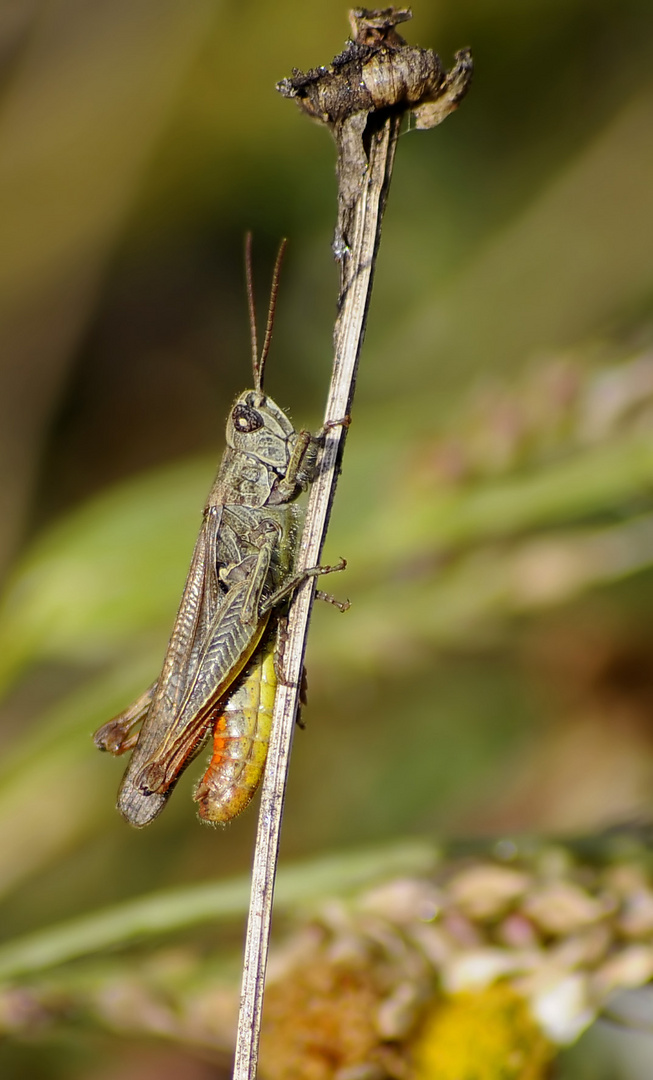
(344,421)
(298,579)
(341,605)
(335,569)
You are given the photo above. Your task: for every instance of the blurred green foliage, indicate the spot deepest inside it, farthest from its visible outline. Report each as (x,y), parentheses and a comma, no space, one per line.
(495,505)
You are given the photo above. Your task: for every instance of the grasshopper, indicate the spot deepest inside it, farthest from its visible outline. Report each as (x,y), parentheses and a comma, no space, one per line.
(219,671)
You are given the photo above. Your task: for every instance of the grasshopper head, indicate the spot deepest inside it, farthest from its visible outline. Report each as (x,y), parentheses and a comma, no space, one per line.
(257,427)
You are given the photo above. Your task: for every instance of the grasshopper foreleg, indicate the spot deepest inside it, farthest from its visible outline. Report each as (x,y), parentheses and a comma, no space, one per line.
(300,470)
(302,466)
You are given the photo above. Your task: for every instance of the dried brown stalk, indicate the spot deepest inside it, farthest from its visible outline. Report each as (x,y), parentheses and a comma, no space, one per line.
(362,97)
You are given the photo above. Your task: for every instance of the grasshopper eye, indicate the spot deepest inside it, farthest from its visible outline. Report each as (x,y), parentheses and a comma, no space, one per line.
(246,419)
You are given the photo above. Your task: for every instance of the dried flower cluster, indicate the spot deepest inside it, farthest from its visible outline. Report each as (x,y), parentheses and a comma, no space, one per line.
(481,972)
(534,953)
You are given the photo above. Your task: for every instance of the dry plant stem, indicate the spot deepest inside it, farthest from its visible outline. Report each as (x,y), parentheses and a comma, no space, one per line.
(366,129)
(357,271)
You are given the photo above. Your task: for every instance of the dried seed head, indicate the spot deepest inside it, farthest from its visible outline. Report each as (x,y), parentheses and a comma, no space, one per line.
(378,70)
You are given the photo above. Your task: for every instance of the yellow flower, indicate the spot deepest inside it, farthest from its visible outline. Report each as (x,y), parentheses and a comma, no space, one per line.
(490,1035)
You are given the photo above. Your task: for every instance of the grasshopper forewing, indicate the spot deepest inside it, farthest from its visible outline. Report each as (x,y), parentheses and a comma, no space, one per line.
(218,671)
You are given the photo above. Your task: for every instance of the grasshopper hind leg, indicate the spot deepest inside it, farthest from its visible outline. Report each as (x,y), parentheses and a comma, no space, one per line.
(117,735)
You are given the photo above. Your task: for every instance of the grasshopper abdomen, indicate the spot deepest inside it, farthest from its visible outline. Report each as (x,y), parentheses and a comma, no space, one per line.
(241,735)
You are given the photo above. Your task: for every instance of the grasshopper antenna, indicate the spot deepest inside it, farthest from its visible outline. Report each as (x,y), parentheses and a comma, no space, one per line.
(258,363)
(272,307)
(252,310)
